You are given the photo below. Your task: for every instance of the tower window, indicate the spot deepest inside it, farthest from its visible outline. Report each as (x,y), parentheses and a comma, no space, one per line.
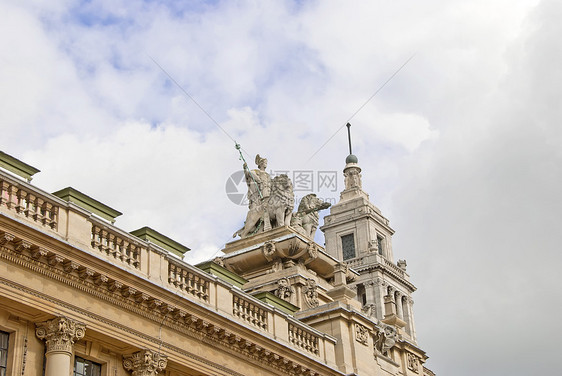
(84,367)
(348,246)
(380,244)
(4,337)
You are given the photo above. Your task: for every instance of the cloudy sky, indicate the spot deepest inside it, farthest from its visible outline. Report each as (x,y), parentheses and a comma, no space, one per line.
(461,149)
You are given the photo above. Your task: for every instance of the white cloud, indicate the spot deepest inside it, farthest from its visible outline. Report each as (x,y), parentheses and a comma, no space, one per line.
(460,149)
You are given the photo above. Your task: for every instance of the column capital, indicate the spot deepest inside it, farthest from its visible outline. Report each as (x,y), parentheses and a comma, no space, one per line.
(145,363)
(60,333)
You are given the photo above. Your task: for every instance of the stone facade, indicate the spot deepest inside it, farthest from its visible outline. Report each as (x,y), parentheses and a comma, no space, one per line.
(76,288)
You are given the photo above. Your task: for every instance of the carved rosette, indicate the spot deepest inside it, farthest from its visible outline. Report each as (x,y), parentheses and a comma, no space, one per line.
(145,363)
(60,334)
(361,334)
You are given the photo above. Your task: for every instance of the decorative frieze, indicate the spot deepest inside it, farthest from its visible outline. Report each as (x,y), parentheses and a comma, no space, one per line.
(60,334)
(145,363)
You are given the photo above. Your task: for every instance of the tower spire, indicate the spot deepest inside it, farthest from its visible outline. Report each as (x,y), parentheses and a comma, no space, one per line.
(350,158)
(349,137)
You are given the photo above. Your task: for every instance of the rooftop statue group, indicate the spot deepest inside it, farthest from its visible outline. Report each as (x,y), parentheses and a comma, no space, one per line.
(271,204)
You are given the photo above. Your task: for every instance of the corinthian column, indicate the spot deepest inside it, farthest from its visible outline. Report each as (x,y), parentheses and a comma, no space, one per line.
(145,363)
(59,335)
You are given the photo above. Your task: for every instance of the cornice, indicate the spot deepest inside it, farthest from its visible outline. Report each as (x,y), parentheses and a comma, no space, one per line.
(385,269)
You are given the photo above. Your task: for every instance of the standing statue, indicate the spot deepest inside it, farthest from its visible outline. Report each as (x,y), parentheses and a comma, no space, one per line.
(258,181)
(271,201)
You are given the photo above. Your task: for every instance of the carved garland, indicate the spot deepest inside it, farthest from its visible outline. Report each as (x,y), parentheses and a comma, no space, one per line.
(133,299)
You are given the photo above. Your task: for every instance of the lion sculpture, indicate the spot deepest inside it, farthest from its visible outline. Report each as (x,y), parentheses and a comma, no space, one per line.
(276,211)
(305,220)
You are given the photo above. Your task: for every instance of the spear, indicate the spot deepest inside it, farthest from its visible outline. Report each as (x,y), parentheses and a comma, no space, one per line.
(237,146)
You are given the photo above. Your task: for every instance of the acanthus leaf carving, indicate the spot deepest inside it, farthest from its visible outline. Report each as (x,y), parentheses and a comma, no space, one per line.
(60,333)
(145,363)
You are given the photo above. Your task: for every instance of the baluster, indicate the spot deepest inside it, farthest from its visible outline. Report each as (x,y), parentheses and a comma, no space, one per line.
(127,251)
(119,254)
(171,276)
(20,207)
(38,215)
(12,199)
(235,309)
(104,245)
(54,218)
(3,192)
(182,279)
(119,246)
(47,207)
(136,257)
(95,236)
(30,205)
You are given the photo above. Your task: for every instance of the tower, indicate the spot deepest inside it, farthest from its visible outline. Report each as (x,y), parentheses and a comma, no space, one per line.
(357,233)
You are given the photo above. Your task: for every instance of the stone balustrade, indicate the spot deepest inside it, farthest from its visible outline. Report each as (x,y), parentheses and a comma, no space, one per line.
(249,312)
(18,198)
(89,234)
(393,267)
(353,263)
(110,243)
(303,339)
(188,280)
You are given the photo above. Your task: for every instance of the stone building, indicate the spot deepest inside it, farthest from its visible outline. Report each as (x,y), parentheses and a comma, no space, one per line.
(80,296)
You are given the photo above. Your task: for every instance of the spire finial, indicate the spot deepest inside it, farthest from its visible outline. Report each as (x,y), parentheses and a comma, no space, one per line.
(350,158)
(349,136)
